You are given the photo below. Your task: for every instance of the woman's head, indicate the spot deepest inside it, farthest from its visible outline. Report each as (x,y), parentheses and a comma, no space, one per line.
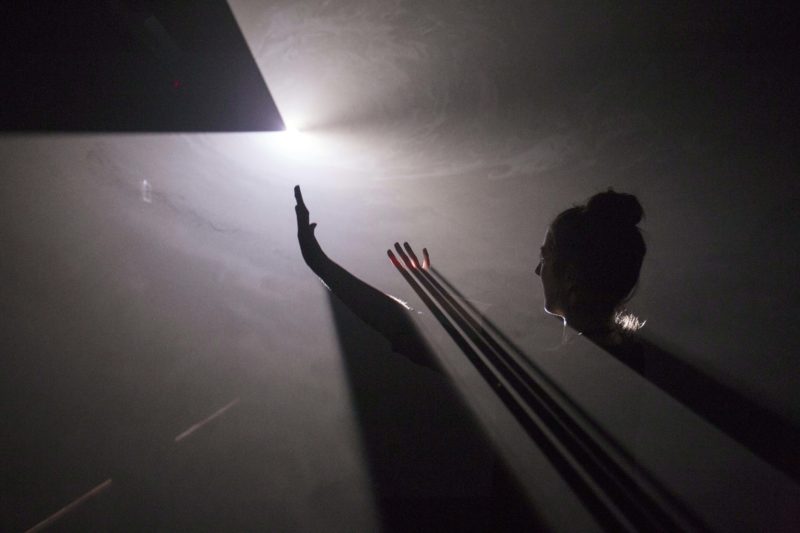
(592,256)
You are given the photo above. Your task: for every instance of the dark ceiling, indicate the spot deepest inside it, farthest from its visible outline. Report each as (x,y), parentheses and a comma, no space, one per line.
(129,66)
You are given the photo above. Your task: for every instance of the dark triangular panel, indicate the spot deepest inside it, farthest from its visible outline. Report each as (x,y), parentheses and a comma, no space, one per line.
(129,65)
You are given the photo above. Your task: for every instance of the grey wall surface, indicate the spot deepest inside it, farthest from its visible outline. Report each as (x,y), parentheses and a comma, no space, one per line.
(149,280)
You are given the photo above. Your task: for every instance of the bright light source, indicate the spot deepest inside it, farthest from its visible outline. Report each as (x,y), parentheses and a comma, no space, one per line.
(301,149)
(291,142)
(290,126)
(293,136)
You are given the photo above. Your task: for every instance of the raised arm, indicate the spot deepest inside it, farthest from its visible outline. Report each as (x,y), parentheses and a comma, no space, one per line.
(378,310)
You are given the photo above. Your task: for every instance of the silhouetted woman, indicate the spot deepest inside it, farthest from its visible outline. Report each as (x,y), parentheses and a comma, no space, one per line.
(589,265)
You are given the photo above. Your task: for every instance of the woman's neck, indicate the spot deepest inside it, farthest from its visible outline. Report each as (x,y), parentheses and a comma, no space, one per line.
(594,326)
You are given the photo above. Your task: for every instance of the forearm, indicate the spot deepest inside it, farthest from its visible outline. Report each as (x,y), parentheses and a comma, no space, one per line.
(376,309)
(372,306)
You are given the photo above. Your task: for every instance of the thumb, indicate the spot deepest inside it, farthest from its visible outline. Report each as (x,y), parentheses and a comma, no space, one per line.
(312,226)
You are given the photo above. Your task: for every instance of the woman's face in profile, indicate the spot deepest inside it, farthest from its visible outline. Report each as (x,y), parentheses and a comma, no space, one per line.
(544,270)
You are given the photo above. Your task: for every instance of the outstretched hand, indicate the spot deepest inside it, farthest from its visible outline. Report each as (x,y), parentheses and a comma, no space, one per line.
(309,246)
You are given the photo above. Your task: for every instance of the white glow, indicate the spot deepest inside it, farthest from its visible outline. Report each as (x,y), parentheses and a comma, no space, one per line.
(304,154)
(292,143)
(308,149)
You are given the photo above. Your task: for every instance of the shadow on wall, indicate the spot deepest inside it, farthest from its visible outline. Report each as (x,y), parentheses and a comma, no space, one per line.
(760,430)
(756,428)
(430,467)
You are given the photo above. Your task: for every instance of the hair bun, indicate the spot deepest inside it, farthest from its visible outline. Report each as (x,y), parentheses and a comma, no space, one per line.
(615,208)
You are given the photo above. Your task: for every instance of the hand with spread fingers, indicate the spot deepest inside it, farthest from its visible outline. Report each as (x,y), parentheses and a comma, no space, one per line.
(309,247)
(409,258)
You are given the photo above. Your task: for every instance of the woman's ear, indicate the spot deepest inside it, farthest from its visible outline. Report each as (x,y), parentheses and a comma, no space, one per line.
(572,296)
(569,287)
(569,279)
